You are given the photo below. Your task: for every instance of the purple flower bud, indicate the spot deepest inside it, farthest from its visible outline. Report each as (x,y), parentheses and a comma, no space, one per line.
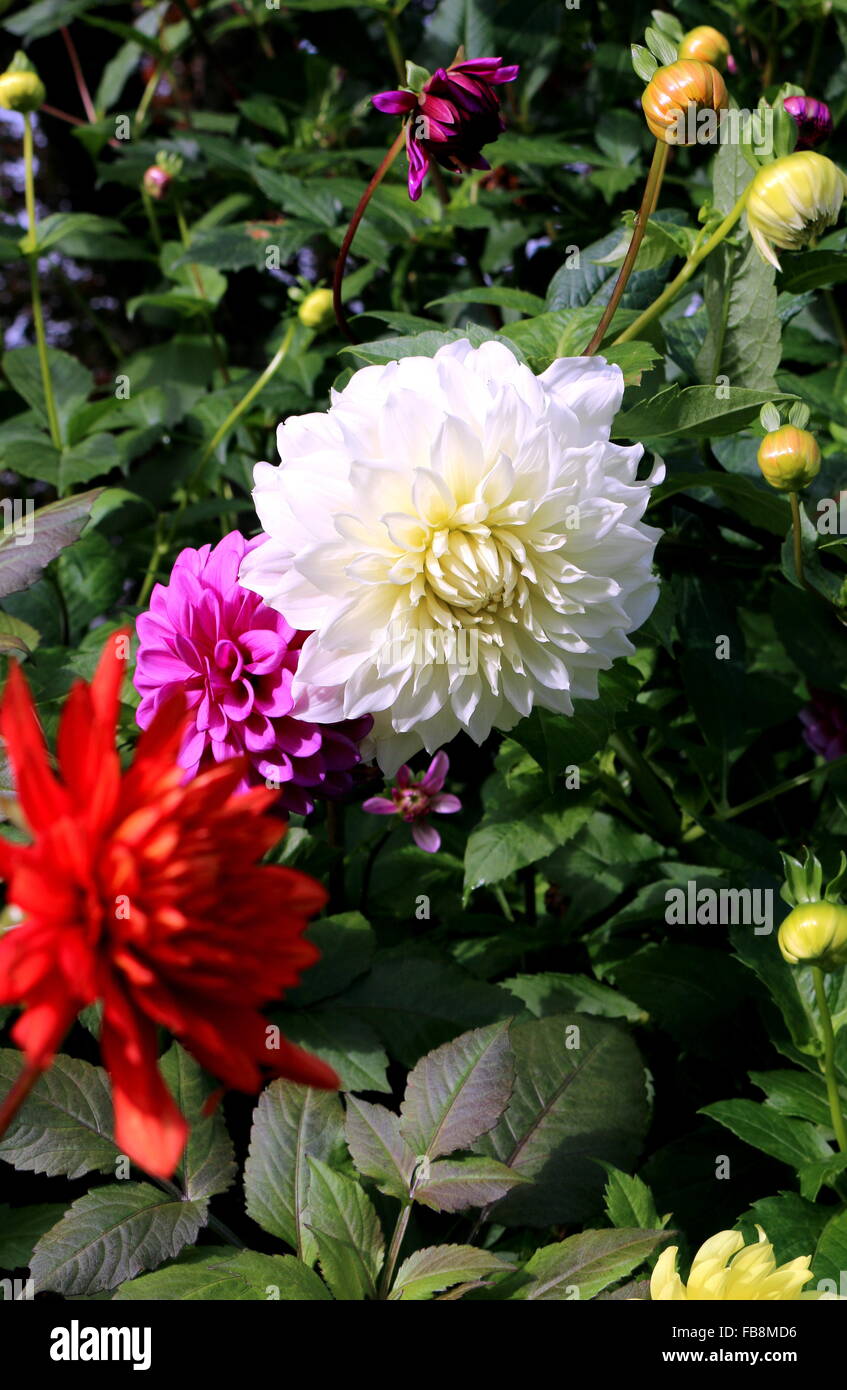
(825,726)
(456,112)
(812,118)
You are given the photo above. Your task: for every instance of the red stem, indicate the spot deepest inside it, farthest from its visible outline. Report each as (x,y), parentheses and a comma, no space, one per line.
(82,85)
(385,165)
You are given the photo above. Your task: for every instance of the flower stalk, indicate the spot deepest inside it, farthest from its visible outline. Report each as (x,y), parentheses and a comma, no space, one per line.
(828,1060)
(341,262)
(35,287)
(648,206)
(698,255)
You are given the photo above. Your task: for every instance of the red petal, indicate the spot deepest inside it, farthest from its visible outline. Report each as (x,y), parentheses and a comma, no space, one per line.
(41,797)
(149,1127)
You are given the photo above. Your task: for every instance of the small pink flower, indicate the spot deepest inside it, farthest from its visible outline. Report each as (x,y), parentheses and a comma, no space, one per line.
(812,118)
(415,800)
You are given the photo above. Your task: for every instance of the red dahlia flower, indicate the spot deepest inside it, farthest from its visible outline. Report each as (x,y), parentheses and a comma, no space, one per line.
(454,114)
(147,895)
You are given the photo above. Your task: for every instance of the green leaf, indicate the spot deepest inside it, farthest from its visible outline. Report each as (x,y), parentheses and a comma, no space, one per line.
(20,1230)
(56,229)
(754,501)
(424,344)
(580,1095)
(346,1229)
(291,1123)
(208,1164)
(440,1267)
(458,1092)
(831,1254)
(583,1265)
(693,412)
(791,1141)
(112,1233)
(557,742)
(500,295)
(523,820)
(796,1093)
(550,993)
(629,1201)
(791,1224)
(54,527)
(417,1002)
(348,1045)
(70,381)
(822,1173)
(377,1147)
(64,1127)
(346,944)
(227,1276)
(454,1184)
(811,270)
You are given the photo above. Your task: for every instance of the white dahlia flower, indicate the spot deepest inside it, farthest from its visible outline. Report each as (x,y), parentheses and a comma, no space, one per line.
(462,541)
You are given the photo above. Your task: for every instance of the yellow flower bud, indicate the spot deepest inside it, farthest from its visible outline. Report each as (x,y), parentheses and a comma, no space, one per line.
(792,201)
(815,934)
(673,90)
(789,458)
(21,91)
(707,44)
(316,309)
(724,1269)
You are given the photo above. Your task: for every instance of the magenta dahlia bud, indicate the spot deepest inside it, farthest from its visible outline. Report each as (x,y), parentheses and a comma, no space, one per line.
(235,658)
(454,113)
(813,119)
(824,722)
(156,181)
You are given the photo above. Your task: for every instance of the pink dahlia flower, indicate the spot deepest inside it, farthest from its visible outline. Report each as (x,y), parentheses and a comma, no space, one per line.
(414,801)
(456,112)
(234,657)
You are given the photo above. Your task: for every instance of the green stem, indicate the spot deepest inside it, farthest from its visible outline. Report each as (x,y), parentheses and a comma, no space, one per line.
(648,783)
(208,319)
(797,536)
(503,901)
(37,310)
(830,1075)
(246,400)
(672,290)
(394,1250)
(392,38)
(160,546)
(648,205)
(782,787)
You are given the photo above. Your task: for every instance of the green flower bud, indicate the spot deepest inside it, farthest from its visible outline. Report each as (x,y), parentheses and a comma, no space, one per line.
(815,934)
(316,310)
(21,89)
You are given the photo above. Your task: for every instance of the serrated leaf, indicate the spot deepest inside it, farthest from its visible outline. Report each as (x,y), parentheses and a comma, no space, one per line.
(583,1265)
(693,412)
(346,944)
(21,1228)
(579,1095)
(291,1123)
(347,1044)
(64,1127)
(59,524)
(791,1141)
(207,1165)
(227,1276)
(556,742)
(347,1232)
(110,1234)
(70,381)
(454,1184)
(377,1147)
(458,1092)
(629,1201)
(830,1259)
(440,1267)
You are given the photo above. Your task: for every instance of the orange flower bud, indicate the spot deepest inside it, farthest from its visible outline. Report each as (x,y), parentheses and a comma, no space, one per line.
(706,44)
(789,458)
(673,91)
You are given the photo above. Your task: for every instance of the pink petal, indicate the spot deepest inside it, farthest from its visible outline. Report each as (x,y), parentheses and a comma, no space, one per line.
(395,103)
(433,779)
(426,837)
(445,804)
(379,806)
